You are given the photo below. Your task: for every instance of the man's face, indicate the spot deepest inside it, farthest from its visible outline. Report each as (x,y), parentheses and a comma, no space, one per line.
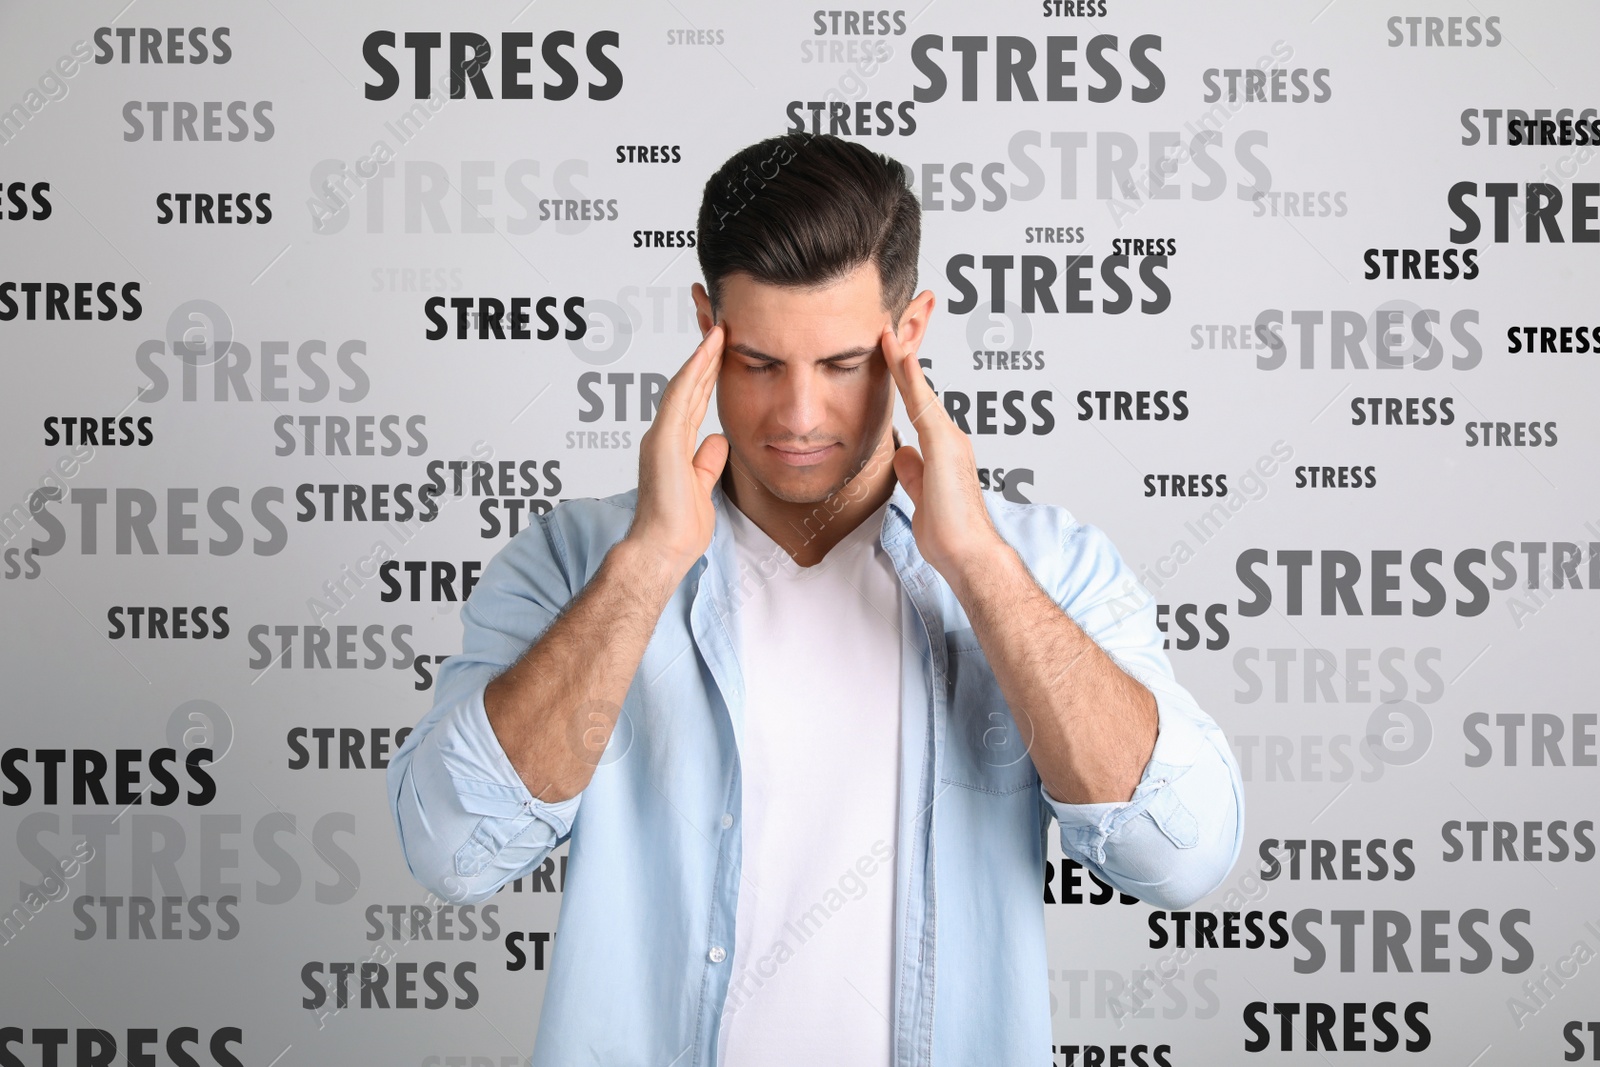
(804,395)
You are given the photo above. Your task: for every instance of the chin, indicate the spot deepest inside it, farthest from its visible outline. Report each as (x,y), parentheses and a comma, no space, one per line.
(813,485)
(800,485)
(803,487)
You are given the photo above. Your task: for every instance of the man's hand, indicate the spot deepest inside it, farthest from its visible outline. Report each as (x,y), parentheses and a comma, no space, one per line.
(674,519)
(553,711)
(1090,727)
(951,525)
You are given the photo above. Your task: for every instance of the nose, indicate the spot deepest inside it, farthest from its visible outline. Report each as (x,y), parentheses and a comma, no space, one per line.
(800,403)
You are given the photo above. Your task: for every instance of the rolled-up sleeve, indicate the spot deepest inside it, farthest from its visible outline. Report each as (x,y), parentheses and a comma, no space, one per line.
(1180,834)
(467,822)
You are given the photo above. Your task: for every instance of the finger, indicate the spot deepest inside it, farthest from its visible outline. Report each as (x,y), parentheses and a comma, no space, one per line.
(700,369)
(709,460)
(708,370)
(898,362)
(707,381)
(908,469)
(678,398)
(922,406)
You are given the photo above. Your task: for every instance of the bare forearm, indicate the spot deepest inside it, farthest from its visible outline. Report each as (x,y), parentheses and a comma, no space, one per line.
(554,709)
(1090,727)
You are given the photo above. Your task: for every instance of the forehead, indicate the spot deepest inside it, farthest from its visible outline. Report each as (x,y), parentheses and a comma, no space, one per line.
(780,320)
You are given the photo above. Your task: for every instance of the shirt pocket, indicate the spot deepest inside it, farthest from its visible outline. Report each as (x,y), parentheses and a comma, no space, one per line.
(984,748)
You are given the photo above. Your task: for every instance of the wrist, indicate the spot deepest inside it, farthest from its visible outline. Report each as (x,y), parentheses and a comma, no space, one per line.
(987,564)
(646,564)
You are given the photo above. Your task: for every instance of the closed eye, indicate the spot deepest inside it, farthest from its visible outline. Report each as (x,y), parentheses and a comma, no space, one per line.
(762,368)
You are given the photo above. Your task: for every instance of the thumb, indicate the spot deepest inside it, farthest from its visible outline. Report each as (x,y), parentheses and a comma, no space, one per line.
(908,468)
(709,460)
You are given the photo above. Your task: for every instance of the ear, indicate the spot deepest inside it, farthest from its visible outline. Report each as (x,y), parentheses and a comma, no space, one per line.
(913,323)
(702,308)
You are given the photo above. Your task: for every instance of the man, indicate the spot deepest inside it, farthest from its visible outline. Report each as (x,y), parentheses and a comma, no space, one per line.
(805,700)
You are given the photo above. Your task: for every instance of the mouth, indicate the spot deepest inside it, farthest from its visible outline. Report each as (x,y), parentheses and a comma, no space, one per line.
(803,459)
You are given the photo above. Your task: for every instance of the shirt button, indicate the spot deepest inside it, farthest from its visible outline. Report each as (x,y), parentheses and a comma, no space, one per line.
(717,954)
(727,820)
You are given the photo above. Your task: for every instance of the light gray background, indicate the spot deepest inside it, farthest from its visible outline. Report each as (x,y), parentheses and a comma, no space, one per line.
(1389,139)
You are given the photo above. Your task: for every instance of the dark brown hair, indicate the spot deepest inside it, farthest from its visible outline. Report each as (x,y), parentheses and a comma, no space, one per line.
(803,210)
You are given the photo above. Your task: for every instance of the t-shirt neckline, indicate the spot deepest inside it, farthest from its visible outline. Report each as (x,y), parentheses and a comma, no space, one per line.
(760,542)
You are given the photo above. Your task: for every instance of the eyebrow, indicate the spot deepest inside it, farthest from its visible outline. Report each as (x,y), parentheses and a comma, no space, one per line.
(853,353)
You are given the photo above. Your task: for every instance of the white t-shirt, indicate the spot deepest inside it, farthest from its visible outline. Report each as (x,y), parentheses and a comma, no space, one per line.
(812,979)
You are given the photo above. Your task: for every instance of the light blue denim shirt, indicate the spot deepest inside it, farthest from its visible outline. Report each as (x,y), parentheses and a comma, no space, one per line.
(640,970)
